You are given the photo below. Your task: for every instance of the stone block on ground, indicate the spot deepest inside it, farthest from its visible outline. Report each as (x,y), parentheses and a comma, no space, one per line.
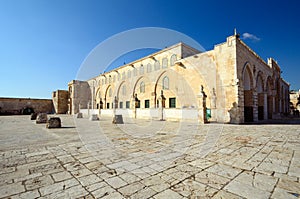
(79,115)
(41,118)
(54,122)
(94,117)
(33,116)
(118,119)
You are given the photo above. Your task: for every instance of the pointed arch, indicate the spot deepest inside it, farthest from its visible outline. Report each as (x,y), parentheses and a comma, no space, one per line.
(248,93)
(260,96)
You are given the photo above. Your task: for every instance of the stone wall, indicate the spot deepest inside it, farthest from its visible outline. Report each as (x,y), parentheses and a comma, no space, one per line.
(231,80)
(79,96)
(19,106)
(60,101)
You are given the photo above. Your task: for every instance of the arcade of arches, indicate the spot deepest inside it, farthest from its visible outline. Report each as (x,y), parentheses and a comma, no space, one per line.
(230,81)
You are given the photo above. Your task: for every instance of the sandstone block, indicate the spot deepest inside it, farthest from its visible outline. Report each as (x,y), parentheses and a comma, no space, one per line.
(33,116)
(94,117)
(41,118)
(54,122)
(79,115)
(118,119)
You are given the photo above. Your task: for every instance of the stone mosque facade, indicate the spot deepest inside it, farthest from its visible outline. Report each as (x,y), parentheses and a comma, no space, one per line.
(228,84)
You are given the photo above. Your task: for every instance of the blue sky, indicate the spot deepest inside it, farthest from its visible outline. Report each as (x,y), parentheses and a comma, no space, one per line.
(43,42)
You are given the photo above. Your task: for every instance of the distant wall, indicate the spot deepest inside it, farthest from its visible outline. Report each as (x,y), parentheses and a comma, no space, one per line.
(60,101)
(20,106)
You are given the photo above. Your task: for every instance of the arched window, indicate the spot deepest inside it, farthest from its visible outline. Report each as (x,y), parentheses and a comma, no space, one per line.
(142,87)
(173,59)
(141,70)
(165,63)
(123,76)
(165,83)
(157,65)
(149,68)
(109,79)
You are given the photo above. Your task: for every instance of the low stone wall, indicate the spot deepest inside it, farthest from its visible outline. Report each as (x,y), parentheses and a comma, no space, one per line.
(21,106)
(169,114)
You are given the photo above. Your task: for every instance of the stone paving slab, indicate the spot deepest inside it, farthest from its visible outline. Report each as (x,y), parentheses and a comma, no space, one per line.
(147,159)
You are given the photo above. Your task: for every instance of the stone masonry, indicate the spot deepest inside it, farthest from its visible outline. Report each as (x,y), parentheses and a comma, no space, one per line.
(148,159)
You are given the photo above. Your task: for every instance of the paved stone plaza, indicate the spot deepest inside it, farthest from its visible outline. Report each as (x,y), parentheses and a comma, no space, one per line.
(147,159)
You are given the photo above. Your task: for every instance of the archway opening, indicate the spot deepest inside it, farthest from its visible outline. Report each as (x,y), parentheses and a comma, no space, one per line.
(248,97)
(269,98)
(260,98)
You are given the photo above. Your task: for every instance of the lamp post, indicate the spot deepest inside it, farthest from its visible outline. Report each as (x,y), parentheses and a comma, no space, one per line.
(163,99)
(136,102)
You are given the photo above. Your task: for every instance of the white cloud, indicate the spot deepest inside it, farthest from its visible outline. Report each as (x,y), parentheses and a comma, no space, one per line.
(250,36)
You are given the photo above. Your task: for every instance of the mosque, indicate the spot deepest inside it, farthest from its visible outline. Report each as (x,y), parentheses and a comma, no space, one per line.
(228,84)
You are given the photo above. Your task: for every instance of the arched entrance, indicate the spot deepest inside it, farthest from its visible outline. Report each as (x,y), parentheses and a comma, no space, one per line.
(248,95)
(260,97)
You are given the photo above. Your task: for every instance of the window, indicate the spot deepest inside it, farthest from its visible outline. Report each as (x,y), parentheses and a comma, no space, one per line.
(149,68)
(109,79)
(173,59)
(157,65)
(105,80)
(165,63)
(114,78)
(147,103)
(165,83)
(121,104)
(141,70)
(107,105)
(123,76)
(172,102)
(119,77)
(127,104)
(142,87)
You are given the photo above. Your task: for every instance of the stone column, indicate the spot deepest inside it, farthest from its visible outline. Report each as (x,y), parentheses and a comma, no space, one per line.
(255,106)
(202,107)
(265,105)
(152,100)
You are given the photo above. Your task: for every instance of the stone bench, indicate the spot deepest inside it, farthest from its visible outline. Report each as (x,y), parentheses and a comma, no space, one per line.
(53,122)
